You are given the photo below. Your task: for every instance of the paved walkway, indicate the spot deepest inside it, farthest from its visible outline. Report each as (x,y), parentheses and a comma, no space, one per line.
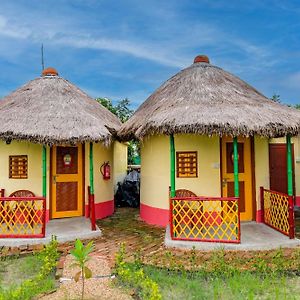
(254,236)
(65,230)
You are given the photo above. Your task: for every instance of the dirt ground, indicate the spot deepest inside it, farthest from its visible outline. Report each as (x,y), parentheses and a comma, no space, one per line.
(95,288)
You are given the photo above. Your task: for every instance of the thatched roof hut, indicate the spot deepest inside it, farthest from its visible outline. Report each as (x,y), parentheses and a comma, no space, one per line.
(51,110)
(204,99)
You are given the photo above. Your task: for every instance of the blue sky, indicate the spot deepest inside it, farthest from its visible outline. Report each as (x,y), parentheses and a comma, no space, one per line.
(128,48)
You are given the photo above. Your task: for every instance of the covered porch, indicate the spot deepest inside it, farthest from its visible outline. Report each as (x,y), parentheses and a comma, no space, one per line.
(197,219)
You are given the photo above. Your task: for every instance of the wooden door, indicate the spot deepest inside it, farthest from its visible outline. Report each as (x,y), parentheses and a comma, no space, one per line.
(67,181)
(245,175)
(278,167)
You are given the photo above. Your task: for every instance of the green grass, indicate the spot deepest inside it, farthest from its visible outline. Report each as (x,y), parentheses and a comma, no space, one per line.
(245,285)
(24,277)
(14,270)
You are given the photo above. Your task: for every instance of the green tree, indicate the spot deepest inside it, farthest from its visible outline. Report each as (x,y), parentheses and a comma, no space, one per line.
(297,106)
(276,98)
(121,109)
(123,112)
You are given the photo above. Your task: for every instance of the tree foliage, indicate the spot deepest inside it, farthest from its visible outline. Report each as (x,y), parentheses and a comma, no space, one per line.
(276,98)
(123,112)
(121,109)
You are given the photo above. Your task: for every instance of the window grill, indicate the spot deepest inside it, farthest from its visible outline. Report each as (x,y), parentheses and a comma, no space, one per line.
(187,164)
(18,166)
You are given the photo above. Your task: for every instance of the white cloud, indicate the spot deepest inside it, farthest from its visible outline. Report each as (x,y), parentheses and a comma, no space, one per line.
(293,81)
(9,30)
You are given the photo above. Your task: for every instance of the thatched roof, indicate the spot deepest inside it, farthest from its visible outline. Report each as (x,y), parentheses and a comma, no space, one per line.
(204,99)
(51,110)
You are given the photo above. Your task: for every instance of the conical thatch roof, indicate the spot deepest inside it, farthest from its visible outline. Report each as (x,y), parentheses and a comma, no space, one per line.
(51,110)
(205,99)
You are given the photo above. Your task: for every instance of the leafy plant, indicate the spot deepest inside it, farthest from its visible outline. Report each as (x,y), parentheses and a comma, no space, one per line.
(134,276)
(81,256)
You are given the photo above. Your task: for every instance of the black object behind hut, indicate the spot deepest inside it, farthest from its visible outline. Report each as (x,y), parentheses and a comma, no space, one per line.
(128,192)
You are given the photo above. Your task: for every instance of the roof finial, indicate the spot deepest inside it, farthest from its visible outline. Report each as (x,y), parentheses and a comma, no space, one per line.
(49,72)
(201,58)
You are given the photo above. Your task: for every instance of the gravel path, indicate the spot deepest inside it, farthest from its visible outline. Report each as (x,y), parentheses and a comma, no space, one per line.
(94,288)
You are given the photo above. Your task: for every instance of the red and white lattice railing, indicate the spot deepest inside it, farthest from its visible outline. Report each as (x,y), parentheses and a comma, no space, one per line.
(278,211)
(206,219)
(22,217)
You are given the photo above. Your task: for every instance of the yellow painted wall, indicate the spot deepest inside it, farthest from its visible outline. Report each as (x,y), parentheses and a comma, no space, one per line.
(155,170)
(104,189)
(34,180)
(261,158)
(120,162)
(296,142)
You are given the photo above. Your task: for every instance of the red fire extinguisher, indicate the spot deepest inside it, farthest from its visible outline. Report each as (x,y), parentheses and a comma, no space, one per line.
(105,170)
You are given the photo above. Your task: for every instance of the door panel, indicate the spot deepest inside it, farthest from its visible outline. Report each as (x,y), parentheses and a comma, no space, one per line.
(230,193)
(278,167)
(245,174)
(67,181)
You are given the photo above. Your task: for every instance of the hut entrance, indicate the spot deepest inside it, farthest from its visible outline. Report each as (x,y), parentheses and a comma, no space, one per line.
(277,166)
(245,175)
(66,181)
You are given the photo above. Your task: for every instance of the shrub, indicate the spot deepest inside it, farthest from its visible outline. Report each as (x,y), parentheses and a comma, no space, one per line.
(134,276)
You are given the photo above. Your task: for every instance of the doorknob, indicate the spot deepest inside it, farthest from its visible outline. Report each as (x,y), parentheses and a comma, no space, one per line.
(224,181)
(54,178)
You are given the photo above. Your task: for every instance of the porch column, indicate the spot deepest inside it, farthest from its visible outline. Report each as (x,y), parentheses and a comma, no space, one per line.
(91,169)
(289,165)
(172,163)
(236,167)
(92,199)
(44,163)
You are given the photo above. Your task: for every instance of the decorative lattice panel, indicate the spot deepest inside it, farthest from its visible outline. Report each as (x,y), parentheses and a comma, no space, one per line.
(204,219)
(276,211)
(21,217)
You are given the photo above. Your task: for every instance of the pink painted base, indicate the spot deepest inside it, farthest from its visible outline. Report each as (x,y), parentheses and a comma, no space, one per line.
(154,215)
(47,215)
(259,216)
(103,209)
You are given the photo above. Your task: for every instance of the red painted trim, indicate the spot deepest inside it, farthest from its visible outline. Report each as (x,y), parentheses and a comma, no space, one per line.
(92,211)
(206,240)
(154,215)
(259,216)
(297,200)
(103,209)
(22,236)
(47,215)
(291,218)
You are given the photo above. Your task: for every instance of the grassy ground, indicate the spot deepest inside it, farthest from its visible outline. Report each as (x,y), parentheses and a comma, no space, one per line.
(14,270)
(236,286)
(220,275)
(125,226)
(24,277)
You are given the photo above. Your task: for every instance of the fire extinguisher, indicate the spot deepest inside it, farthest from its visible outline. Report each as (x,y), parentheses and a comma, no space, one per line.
(105,170)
